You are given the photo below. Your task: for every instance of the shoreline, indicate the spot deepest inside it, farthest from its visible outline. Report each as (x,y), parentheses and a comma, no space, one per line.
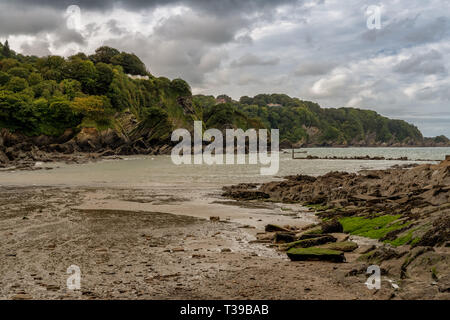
(406,210)
(170,242)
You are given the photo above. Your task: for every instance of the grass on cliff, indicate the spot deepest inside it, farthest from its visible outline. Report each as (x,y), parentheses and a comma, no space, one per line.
(374,228)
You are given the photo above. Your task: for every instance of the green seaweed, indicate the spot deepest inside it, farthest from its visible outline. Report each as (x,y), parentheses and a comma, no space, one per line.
(374,228)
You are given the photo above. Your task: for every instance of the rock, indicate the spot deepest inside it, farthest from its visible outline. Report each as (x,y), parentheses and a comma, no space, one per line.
(304,236)
(22,296)
(3,158)
(274,228)
(107,153)
(365,249)
(315,254)
(214,219)
(284,237)
(88,139)
(246,194)
(332,226)
(225,250)
(379,255)
(269,236)
(340,237)
(345,246)
(438,234)
(112,139)
(310,242)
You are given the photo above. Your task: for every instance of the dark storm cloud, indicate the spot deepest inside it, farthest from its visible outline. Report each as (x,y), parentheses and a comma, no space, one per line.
(27,20)
(213,30)
(212,6)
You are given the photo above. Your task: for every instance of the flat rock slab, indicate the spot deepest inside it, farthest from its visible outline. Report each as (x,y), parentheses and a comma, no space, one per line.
(306,243)
(345,246)
(315,254)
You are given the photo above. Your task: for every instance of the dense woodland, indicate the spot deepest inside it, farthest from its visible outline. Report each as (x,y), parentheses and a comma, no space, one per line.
(47,95)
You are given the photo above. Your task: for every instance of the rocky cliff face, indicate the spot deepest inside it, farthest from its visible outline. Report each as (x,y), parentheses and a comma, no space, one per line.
(22,151)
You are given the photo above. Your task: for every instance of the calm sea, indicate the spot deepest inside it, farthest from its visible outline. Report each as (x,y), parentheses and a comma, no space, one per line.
(154,171)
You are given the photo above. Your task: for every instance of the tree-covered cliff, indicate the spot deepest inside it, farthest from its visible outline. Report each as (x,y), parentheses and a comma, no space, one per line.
(46,96)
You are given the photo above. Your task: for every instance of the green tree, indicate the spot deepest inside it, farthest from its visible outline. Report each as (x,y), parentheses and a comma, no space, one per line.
(105,76)
(35,78)
(181,87)
(97,108)
(4,78)
(71,88)
(19,72)
(17,84)
(6,51)
(104,54)
(130,63)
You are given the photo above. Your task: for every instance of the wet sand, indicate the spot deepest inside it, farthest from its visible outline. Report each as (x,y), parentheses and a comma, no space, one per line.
(153,244)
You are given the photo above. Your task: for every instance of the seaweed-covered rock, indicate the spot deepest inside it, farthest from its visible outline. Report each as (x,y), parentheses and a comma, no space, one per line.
(438,234)
(380,254)
(246,194)
(306,243)
(275,228)
(284,237)
(345,246)
(315,254)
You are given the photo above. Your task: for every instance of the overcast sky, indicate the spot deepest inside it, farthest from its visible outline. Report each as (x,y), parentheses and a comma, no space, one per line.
(319,50)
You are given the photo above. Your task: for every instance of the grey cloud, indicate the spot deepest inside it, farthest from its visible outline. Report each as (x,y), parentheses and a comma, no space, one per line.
(193,26)
(250,59)
(113,26)
(216,7)
(410,31)
(17,20)
(38,47)
(66,36)
(189,59)
(431,62)
(203,44)
(315,68)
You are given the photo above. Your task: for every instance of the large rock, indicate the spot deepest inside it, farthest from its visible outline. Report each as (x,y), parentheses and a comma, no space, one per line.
(88,139)
(345,246)
(284,237)
(246,195)
(275,228)
(11,139)
(3,158)
(306,243)
(112,139)
(315,254)
(42,140)
(332,226)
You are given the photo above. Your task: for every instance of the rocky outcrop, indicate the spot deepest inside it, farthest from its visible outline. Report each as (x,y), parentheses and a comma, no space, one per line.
(417,199)
(22,152)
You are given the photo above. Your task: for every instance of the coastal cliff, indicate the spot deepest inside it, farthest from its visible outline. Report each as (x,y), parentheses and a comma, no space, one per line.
(108,103)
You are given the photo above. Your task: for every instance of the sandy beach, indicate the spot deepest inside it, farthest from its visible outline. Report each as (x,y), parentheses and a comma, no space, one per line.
(128,254)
